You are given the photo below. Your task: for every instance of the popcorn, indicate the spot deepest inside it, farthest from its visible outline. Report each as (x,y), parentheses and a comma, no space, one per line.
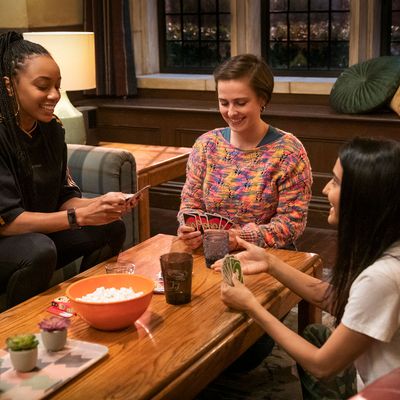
(110,295)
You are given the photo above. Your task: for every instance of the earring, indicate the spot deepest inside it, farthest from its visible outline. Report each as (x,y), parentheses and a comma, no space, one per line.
(262,109)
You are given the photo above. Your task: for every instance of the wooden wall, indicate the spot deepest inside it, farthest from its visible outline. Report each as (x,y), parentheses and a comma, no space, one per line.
(177,118)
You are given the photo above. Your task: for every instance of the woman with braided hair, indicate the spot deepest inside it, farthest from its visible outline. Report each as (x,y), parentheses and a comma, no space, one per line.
(44,222)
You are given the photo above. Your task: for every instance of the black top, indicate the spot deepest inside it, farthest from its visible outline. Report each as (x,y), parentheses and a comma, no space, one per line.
(52,184)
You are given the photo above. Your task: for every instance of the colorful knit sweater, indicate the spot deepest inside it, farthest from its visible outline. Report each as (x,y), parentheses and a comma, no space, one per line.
(265,191)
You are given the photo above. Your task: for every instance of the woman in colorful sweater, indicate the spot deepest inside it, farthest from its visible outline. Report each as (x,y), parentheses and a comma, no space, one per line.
(250,172)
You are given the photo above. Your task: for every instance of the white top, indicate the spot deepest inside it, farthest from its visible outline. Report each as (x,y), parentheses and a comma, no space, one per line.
(374,310)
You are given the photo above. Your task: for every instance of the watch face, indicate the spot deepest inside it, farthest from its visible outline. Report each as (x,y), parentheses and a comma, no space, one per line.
(72,219)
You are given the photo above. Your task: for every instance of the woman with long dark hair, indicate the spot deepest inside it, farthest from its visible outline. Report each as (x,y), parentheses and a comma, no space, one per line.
(44,222)
(364,291)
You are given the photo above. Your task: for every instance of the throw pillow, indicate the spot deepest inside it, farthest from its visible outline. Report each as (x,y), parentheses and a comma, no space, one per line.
(366,86)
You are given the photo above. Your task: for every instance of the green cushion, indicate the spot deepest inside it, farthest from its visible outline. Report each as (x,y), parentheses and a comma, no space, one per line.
(366,86)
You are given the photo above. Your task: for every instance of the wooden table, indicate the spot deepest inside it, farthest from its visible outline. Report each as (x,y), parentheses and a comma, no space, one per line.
(154,165)
(172,352)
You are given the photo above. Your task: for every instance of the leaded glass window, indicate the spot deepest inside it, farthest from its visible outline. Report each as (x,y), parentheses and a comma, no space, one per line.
(306,37)
(194,34)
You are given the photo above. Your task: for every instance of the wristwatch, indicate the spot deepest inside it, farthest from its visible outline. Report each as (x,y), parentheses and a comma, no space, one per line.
(73,224)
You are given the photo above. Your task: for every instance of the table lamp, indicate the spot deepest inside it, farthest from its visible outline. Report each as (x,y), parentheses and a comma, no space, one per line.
(74,54)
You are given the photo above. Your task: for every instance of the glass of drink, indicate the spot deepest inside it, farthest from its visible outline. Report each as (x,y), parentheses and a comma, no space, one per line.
(120,267)
(177,275)
(215,244)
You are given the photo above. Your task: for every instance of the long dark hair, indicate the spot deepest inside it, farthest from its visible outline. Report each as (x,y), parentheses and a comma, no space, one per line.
(369,211)
(14,51)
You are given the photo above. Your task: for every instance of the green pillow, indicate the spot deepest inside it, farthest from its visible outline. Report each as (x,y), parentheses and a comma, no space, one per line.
(366,86)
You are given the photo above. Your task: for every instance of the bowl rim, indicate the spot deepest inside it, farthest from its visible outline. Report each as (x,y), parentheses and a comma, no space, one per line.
(74,299)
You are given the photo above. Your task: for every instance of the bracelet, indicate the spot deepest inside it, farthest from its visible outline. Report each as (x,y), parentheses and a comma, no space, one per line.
(73,223)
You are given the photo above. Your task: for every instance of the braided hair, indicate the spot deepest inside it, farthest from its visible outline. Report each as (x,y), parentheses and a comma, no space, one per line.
(14,51)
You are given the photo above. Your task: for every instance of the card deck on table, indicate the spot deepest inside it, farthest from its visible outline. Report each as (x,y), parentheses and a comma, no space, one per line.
(231,266)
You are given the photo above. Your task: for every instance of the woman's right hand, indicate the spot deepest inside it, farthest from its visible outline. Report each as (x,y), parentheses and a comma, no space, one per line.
(190,236)
(253,259)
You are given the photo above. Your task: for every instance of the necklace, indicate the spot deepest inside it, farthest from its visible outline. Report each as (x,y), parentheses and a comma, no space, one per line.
(29,133)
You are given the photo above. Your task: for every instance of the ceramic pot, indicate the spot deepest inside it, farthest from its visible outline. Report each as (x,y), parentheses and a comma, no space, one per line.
(24,360)
(55,340)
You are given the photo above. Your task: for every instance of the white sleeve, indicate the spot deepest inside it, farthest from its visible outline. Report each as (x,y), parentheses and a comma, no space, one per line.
(373,307)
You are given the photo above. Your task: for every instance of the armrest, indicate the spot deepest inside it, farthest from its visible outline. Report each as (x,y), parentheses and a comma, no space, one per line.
(99,170)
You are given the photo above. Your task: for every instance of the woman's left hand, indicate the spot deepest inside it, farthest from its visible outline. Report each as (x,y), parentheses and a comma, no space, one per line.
(238,296)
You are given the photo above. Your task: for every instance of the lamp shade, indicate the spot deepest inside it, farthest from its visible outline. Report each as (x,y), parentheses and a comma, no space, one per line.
(74,54)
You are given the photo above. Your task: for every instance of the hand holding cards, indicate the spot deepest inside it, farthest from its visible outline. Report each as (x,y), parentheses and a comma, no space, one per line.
(231,266)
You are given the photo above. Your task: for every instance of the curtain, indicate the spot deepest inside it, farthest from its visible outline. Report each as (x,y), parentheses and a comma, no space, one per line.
(115,66)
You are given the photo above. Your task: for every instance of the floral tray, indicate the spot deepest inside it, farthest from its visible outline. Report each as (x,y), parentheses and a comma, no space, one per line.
(53,369)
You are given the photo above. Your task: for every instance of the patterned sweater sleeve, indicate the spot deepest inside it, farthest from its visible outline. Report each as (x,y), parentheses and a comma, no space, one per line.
(192,192)
(294,191)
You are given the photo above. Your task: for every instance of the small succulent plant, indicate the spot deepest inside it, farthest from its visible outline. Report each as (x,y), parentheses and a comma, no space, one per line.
(54,324)
(22,342)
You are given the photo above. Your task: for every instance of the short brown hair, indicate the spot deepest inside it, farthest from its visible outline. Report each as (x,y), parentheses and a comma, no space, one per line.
(249,66)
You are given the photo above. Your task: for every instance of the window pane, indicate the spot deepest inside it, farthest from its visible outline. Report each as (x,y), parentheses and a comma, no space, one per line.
(277,5)
(225,27)
(190,6)
(208,6)
(208,27)
(319,53)
(173,27)
(278,55)
(395,49)
(298,56)
(209,54)
(191,54)
(340,26)
(278,27)
(298,5)
(174,54)
(322,5)
(224,51)
(395,30)
(319,26)
(340,55)
(225,6)
(190,28)
(172,6)
(298,26)
(341,5)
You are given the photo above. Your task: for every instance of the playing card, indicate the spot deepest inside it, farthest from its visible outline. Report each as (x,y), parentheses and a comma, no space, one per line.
(214,221)
(226,223)
(191,220)
(231,266)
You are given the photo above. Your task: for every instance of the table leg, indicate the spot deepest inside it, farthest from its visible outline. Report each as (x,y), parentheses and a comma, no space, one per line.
(308,313)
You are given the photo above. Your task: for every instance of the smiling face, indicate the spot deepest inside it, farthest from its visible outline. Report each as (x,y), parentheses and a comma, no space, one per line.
(37,86)
(332,190)
(239,105)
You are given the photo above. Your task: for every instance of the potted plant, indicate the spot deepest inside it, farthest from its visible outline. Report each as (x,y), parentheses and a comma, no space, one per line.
(54,332)
(23,351)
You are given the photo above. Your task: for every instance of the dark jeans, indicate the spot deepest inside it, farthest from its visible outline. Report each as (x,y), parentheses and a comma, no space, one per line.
(27,261)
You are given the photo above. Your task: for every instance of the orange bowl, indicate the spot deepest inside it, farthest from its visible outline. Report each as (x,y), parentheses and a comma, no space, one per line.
(115,315)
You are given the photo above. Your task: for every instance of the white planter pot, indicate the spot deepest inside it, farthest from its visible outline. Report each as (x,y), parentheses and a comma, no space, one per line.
(54,341)
(24,360)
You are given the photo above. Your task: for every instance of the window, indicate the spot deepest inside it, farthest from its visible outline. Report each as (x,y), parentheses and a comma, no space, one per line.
(194,34)
(390,44)
(306,37)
